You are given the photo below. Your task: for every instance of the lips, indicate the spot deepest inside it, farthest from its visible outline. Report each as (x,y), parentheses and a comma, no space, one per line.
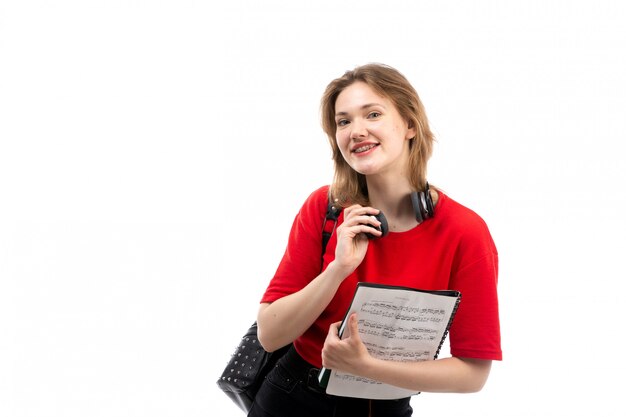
(364,147)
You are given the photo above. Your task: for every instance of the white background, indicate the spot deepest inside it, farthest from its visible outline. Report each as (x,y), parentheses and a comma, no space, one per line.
(154,153)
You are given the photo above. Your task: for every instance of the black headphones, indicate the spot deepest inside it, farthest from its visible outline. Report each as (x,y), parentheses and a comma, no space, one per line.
(422,205)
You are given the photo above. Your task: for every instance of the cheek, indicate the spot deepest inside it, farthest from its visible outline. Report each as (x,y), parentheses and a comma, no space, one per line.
(343,141)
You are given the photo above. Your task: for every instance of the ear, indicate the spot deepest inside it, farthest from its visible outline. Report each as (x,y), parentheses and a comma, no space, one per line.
(411,131)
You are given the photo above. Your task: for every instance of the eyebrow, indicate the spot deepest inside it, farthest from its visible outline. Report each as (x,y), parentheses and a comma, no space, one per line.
(363,107)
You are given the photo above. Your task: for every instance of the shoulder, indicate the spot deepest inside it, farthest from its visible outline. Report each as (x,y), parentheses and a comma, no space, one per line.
(316,203)
(461,220)
(320,194)
(457,213)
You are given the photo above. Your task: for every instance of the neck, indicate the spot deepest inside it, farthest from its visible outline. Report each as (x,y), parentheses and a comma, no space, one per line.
(393,198)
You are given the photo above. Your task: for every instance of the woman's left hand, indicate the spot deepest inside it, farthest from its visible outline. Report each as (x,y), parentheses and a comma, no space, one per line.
(348,354)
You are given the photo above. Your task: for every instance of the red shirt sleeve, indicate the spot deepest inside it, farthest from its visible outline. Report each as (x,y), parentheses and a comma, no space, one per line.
(475,331)
(301,262)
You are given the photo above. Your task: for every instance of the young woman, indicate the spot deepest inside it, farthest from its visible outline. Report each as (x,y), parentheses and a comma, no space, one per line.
(381,142)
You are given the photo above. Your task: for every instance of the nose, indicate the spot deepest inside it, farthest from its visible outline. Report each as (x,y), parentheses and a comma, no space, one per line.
(358,131)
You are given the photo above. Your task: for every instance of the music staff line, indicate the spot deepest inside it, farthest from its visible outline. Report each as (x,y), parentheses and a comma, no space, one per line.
(404,313)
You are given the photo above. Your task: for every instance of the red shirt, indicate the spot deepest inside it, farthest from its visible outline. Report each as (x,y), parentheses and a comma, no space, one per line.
(453,250)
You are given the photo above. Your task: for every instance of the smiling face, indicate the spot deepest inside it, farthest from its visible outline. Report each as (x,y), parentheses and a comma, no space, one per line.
(371,134)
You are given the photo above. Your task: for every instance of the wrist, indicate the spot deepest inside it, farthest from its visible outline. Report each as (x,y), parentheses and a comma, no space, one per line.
(338,271)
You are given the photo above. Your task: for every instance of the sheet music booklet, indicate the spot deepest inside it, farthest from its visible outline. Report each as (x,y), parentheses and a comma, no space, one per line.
(398,324)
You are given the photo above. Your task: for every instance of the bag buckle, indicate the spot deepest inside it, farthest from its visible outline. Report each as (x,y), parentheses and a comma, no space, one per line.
(313,382)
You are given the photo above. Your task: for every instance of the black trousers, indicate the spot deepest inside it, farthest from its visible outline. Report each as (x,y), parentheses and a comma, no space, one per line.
(291,390)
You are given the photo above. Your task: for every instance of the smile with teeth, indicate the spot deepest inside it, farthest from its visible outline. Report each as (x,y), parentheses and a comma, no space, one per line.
(364,148)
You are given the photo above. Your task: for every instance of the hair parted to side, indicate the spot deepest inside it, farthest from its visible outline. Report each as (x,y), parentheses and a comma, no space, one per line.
(349,187)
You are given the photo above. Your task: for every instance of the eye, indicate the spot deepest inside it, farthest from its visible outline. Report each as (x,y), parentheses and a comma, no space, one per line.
(342,122)
(374,115)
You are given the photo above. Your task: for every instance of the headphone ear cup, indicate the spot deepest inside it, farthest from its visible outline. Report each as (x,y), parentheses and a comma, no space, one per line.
(384,226)
(417,206)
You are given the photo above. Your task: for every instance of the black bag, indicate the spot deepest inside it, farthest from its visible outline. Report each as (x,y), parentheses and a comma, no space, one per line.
(248,366)
(247,369)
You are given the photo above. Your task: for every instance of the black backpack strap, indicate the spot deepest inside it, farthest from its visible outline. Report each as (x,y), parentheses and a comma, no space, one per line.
(330,222)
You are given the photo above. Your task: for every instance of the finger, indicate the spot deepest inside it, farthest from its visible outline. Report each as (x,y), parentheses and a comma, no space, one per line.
(357,210)
(366,218)
(332,338)
(351,209)
(369,225)
(357,229)
(353,324)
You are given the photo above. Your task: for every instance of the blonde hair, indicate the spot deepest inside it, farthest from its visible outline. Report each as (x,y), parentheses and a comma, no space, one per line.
(349,187)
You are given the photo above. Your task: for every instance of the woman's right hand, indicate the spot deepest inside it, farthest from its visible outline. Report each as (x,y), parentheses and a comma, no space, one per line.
(351,237)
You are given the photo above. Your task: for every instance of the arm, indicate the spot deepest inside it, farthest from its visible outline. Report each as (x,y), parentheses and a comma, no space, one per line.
(461,375)
(281,322)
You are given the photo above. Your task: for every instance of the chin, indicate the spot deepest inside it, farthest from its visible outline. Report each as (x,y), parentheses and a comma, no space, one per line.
(365,169)
(367,172)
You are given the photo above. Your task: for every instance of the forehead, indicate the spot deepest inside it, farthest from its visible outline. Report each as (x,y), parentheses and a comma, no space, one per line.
(358,94)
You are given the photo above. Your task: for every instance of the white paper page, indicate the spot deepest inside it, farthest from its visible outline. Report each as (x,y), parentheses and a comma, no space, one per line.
(394,324)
